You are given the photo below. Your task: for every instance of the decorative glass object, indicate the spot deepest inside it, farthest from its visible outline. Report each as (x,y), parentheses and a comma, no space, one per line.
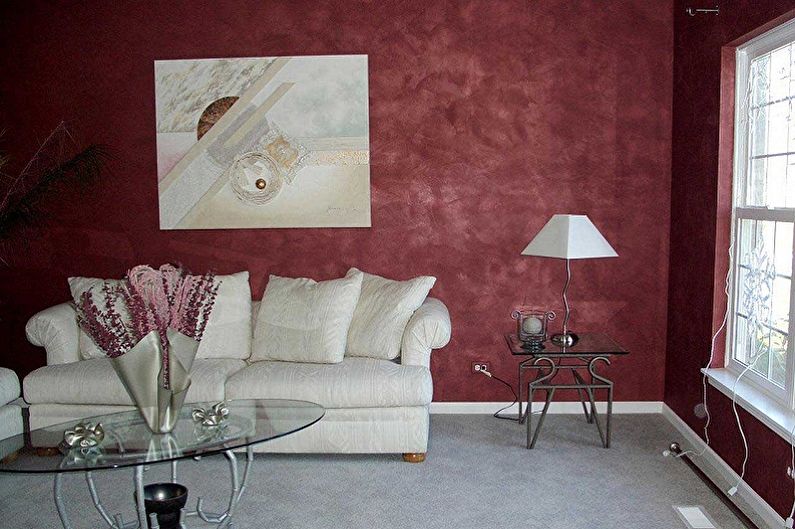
(531,326)
(213,416)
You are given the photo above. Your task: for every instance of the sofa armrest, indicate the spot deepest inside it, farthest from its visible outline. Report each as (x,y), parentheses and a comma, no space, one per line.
(9,386)
(429,328)
(56,330)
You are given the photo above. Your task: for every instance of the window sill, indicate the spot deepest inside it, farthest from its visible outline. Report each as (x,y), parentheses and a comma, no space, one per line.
(769,411)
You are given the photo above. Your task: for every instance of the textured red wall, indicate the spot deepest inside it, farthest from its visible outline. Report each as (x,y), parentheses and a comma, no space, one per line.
(486,118)
(694,202)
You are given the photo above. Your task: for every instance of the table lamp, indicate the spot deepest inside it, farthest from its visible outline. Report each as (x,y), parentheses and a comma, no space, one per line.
(569,237)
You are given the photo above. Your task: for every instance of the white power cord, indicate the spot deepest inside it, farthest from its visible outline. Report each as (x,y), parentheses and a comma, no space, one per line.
(732,491)
(791,519)
(720,329)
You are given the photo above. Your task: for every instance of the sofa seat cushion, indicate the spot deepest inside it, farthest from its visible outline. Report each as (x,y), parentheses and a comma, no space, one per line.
(352,383)
(95,382)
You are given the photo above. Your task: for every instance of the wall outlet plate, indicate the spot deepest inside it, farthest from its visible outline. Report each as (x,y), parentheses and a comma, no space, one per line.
(480,365)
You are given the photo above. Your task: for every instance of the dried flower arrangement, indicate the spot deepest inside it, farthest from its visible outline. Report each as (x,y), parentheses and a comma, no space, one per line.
(148,300)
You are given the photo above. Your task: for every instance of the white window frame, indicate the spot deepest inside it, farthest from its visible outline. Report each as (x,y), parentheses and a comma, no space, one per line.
(773,39)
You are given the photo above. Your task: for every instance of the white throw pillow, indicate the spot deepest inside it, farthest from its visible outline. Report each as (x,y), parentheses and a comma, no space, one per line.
(78,285)
(302,320)
(384,309)
(227,335)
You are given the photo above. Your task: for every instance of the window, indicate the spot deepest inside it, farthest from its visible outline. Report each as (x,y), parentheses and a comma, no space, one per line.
(761,302)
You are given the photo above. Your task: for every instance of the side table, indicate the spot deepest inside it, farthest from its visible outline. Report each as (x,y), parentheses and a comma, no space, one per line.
(550,361)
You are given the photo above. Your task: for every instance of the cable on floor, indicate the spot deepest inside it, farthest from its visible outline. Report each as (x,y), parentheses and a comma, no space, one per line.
(515,398)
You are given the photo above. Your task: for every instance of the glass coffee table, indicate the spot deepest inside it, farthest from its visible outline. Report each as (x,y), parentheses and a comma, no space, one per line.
(128,442)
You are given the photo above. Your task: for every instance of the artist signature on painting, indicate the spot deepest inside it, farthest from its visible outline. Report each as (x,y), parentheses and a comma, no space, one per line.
(340,211)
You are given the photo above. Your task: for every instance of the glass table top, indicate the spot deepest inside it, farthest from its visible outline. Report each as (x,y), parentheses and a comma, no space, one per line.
(128,441)
(589,344)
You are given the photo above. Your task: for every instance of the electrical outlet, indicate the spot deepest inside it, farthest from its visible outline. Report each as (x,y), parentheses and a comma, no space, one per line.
(480,366)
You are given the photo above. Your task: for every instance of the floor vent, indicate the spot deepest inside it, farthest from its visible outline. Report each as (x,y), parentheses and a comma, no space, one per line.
(695,517)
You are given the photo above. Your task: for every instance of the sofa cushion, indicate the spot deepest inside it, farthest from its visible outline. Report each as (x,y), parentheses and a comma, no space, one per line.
(385,307)
(95,382)
(227,335)
(302,320)
(352,383)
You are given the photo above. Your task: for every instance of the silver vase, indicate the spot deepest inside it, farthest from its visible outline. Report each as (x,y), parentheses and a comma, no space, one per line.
(141,372)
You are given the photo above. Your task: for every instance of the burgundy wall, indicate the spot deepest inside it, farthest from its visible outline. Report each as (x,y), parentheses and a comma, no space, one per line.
(486,118)
(694,202)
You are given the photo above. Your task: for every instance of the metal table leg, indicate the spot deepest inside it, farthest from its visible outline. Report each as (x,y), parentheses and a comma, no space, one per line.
(139,495)
(540,381)
(221,520)
(583,398)
(59,505)
(532,437)
(606,384)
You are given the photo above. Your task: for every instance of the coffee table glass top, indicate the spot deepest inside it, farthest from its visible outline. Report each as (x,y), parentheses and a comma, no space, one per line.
(128,441)
(589,344)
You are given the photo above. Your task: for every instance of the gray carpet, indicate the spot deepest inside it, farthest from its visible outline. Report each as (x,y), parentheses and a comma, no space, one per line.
(477,475)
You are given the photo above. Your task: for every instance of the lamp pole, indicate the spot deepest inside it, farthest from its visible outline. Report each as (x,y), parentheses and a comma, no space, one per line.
(565,339)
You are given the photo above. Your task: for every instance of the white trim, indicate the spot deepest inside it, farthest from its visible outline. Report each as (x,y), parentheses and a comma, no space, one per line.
(770,411)
(482,408)
(762,385)
(770,40)
(755,502)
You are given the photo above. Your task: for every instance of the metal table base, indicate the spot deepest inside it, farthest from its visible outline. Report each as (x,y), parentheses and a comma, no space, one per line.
(221,520)
(547,369)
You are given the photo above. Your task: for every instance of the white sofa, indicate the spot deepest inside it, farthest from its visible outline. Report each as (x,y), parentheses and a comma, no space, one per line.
(372,405)
(10,413)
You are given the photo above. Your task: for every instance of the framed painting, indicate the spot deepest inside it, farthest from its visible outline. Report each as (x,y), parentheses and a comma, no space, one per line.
(273,142)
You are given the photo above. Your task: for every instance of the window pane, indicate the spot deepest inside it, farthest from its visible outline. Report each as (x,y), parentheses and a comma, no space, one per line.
(759,355)
(762,296)
(780,304)
(759,80)
(758,131)
(741,340)
(791,168)
(757,182)
(743,243)
(778,128)
(784,248)
(776,182)
(779,73)
(778,359)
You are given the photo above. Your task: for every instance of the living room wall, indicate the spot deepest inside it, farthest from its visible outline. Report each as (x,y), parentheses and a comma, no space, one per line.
(486,118)
(696,240)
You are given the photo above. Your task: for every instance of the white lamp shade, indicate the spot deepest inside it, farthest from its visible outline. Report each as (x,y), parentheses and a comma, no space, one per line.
(569,237)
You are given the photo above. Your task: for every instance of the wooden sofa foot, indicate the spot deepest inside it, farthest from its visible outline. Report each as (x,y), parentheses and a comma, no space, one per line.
(414,457)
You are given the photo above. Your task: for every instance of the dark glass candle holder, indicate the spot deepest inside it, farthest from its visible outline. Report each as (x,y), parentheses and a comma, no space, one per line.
(165,500)
(531,326)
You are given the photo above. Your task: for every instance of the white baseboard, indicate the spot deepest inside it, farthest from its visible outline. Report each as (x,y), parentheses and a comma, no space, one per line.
(481,408)
(691,440)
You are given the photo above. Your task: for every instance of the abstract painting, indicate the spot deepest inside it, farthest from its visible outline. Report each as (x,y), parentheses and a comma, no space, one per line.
(273,142)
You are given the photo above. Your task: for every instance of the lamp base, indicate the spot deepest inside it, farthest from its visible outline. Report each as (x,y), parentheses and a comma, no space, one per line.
(565,340)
